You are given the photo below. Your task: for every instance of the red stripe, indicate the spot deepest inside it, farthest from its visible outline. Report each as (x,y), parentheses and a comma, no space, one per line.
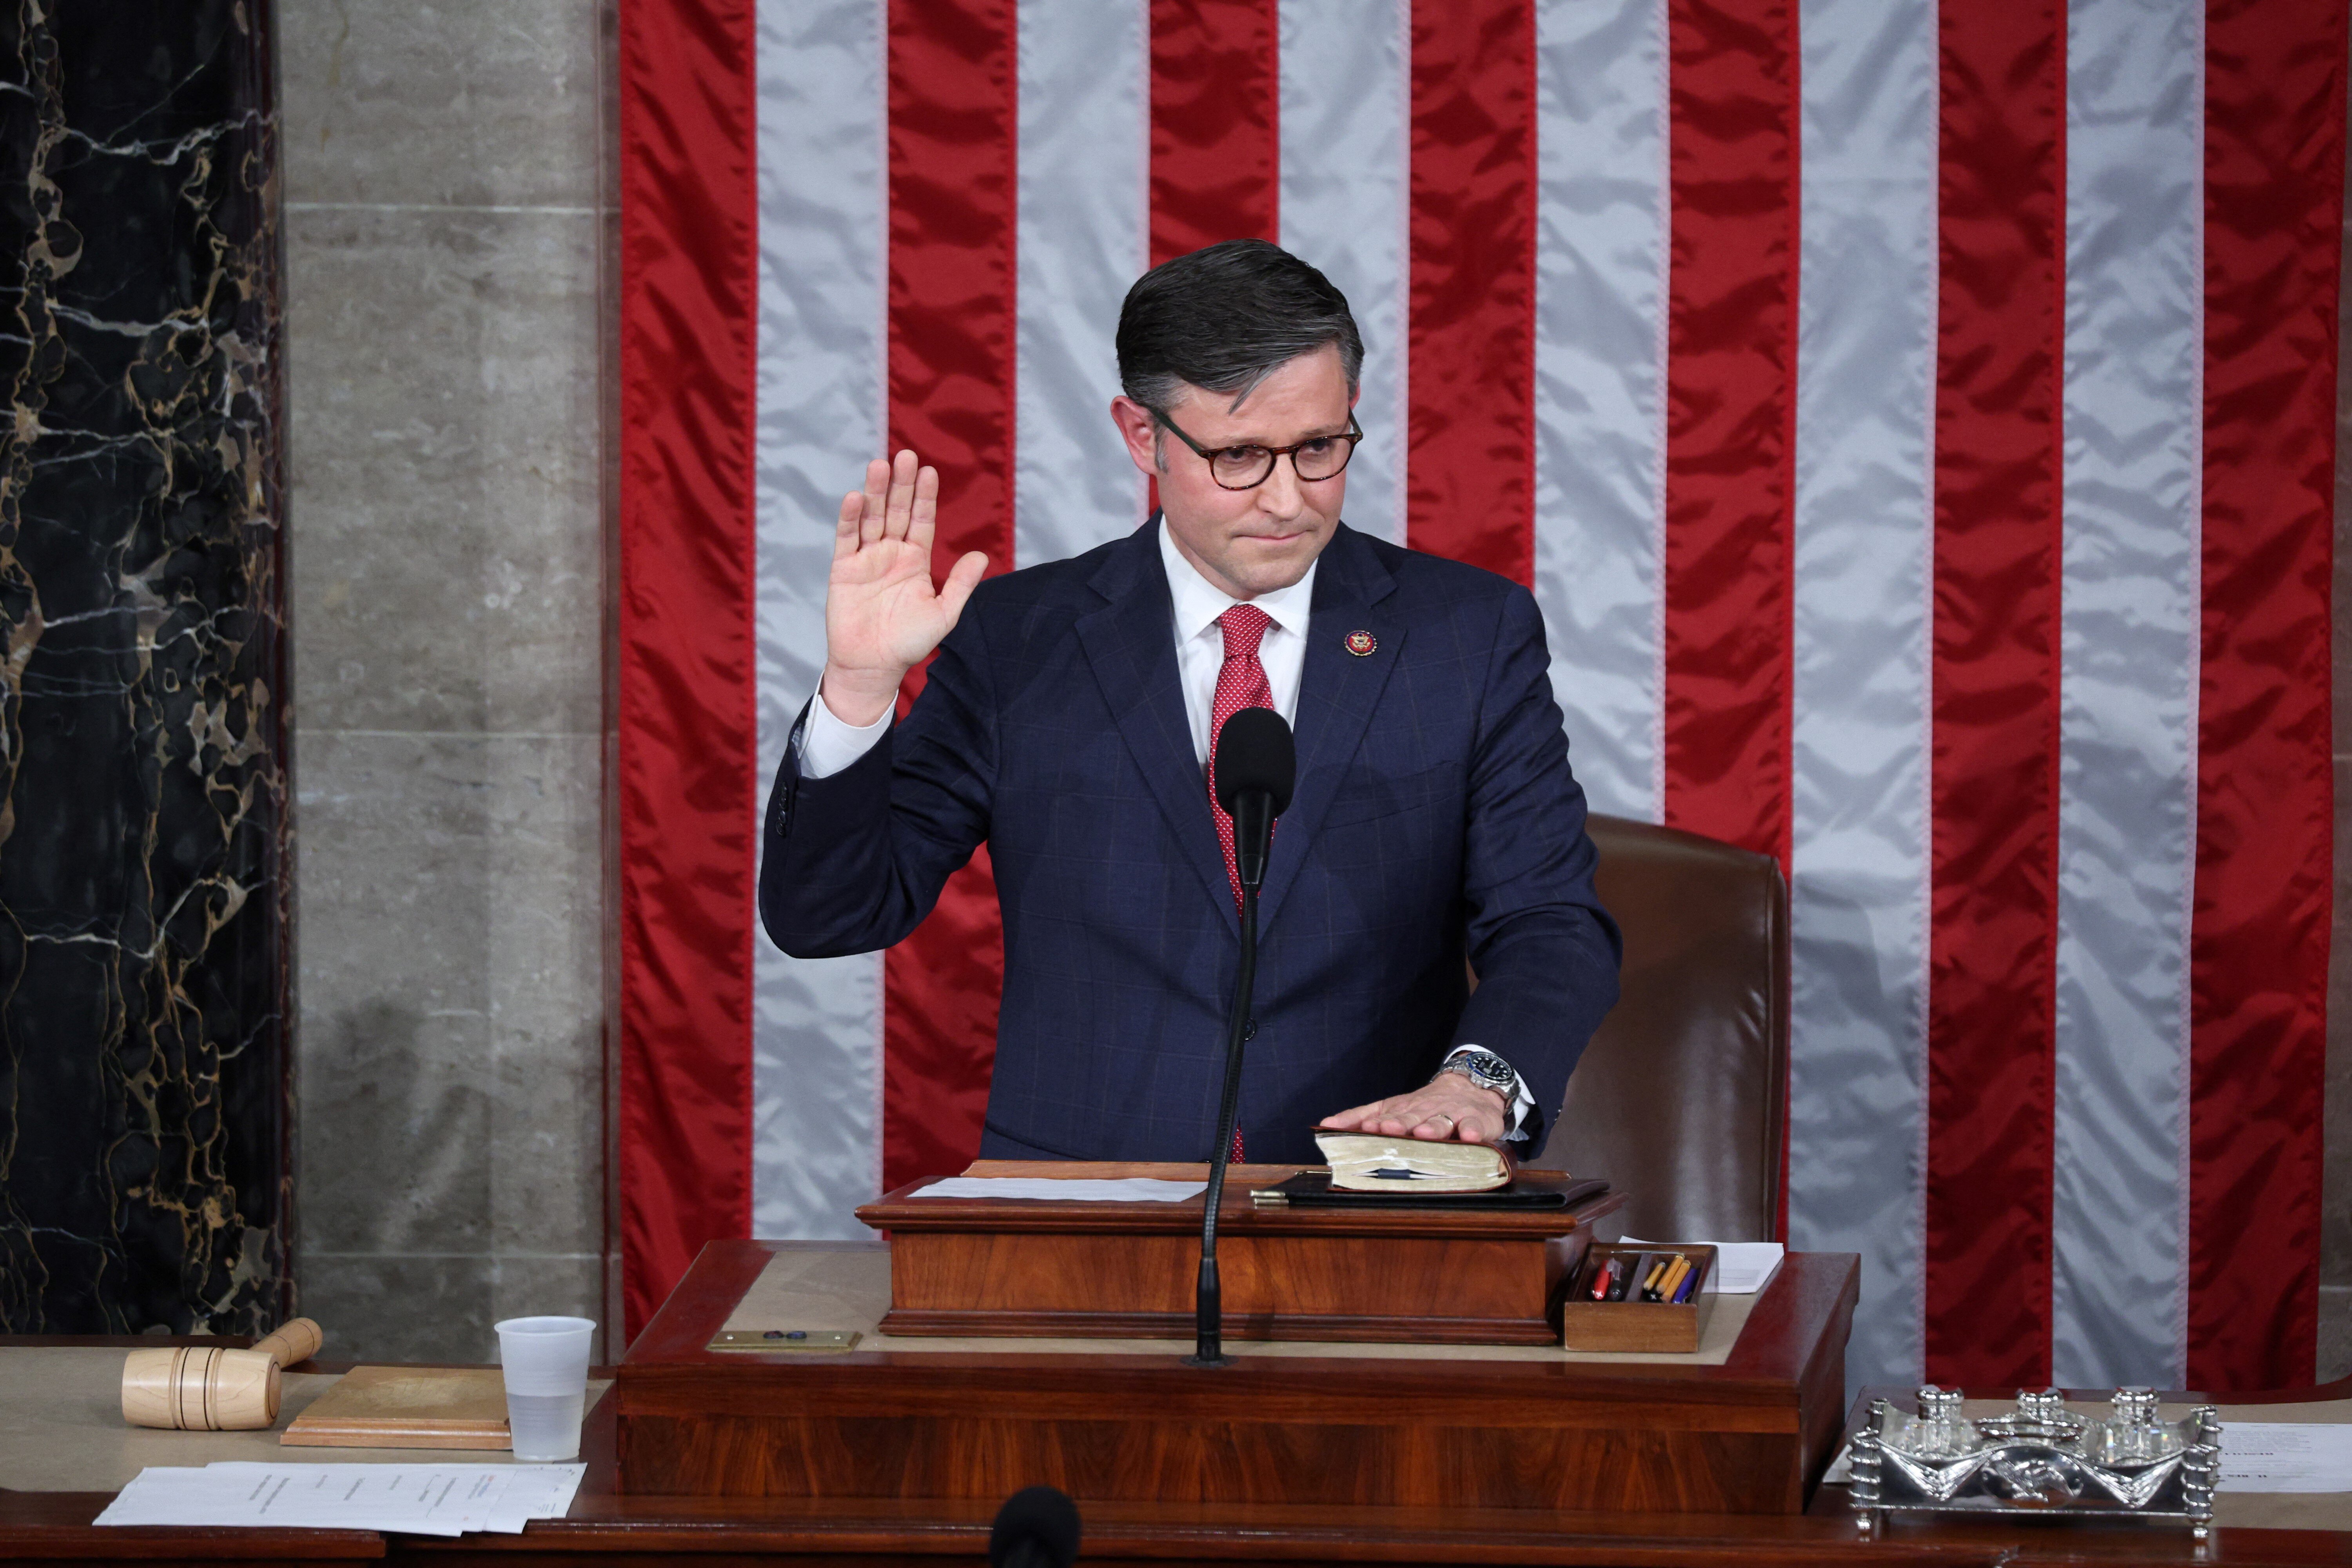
(2259,939)
(1731,370)
(686,689)
(954,119)
(1993,914)
(1216,140)
(1470,399)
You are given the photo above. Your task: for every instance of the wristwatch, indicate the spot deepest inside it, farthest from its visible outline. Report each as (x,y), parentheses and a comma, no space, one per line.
(1487,1070)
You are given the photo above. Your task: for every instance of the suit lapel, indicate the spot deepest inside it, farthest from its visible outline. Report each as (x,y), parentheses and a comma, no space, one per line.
(1338,691)
(1130,643)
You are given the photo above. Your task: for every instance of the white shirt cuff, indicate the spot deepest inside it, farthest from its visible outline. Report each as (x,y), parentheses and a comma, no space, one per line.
(829,745)
(1521,1100)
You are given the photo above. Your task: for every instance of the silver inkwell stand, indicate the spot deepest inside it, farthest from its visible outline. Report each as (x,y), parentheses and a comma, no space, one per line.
(2038,1458)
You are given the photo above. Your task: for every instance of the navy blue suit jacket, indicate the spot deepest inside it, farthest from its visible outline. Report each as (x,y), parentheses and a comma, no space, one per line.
(1434,816)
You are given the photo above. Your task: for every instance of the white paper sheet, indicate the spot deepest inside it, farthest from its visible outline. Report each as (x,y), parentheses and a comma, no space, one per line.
(1122,1189)
(539,1491)
(532,1491)
(2286,1456)
(1741,1267)
(417,1499)
(413,1499)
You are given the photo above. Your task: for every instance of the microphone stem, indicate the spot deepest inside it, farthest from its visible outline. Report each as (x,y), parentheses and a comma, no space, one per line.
(1208,1348)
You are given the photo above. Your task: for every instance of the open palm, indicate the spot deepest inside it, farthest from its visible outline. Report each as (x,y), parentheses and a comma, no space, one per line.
(882,615)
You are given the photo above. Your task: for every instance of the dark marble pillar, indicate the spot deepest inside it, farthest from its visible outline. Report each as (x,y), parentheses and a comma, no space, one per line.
(144,903)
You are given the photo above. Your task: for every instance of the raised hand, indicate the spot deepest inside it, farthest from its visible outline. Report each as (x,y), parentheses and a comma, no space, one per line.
(882,617)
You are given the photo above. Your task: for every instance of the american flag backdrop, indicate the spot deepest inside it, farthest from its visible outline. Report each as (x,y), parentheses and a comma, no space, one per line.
(1916,422)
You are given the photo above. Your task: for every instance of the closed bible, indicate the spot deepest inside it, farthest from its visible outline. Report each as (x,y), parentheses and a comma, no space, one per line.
(1369,1163)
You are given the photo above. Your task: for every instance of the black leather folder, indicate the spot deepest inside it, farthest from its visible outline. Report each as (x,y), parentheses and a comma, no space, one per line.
(1528,1190)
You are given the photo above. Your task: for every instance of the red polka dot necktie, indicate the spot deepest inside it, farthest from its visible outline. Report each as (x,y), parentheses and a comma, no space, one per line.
(1241,683)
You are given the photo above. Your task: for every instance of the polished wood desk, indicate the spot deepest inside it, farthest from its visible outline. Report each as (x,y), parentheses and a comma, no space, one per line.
(1109,1421)
(613,1527)
(1019,1269)
(606,1531)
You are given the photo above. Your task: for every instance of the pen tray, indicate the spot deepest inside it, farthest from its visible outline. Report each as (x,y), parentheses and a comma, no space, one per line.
(1655,1326)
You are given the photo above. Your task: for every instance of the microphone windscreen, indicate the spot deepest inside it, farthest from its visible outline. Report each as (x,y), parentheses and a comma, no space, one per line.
(1255,754)
(1037,1526)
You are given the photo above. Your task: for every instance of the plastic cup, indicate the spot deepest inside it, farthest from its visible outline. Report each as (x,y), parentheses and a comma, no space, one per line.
(545,1363)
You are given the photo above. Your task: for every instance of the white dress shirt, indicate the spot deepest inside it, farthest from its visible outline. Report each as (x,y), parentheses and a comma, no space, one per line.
(829,745)
(1201,641)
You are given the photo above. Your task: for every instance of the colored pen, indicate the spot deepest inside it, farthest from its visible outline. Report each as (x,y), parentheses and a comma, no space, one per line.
(1673,1281)
(1689,1283)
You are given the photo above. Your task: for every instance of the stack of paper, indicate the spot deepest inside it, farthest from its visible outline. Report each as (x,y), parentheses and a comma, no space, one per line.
(2286,1456)
(1075,1189)
(420,1500)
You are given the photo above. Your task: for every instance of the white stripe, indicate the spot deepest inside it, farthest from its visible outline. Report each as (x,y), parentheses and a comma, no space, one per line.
(1347,105)
(2127,692)
(815,1025)
(1601,259)
(1864,540)
(1083,239)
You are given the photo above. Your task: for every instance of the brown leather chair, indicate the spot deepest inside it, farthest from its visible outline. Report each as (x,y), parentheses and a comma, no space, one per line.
(1681,1097)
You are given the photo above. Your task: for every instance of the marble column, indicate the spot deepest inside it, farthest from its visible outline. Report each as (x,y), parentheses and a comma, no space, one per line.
(144,910)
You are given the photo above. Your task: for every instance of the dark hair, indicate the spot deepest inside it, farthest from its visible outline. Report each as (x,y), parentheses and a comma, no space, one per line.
(1224,316)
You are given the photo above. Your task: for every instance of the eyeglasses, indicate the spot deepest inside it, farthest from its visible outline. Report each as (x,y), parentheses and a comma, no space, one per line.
(1246,467)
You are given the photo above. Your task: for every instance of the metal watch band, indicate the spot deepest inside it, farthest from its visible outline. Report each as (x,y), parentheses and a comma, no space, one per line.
(1486,1069)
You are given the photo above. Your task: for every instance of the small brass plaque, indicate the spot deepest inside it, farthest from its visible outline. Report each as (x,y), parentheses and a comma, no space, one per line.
(785,1340)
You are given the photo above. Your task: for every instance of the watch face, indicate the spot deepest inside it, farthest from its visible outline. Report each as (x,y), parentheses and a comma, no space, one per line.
(1487,1070)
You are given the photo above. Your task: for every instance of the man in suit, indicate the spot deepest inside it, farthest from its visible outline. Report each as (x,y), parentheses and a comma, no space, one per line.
(1068,722)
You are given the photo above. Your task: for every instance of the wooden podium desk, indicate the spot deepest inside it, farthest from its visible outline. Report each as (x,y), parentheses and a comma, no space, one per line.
(1383,1357)
(1743,1429)
(1021,1269)
(63,1451)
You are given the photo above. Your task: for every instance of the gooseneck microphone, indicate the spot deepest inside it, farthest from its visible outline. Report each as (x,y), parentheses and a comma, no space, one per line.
(1037,1528)
(1256,766)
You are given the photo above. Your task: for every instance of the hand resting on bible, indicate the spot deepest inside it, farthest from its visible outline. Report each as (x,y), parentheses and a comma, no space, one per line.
(1449,1108)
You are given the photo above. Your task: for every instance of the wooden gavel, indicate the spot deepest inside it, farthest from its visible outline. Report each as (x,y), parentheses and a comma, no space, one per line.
(198,1388)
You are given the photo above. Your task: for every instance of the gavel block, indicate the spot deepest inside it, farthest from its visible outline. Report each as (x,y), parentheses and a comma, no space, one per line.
(198,1388)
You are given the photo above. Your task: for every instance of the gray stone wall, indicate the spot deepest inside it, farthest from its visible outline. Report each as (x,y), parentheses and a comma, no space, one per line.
(445,215)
